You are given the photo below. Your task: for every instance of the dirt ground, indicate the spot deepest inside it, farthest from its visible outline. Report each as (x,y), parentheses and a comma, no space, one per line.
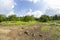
(26,32)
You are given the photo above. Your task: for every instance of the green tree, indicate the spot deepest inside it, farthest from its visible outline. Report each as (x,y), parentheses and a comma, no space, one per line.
(29,18)
(55,17)
(2,18)
(44,18)
(20,18)
(12,18)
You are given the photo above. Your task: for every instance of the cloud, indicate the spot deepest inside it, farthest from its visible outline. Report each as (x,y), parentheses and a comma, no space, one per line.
(34,1)
(52,7)
(36,13)
(6,6)
(11,13)
(52,11)
(52,3)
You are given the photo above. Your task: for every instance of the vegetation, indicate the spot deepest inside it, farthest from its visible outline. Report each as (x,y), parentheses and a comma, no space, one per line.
(43,18)
(12,18)
(45,28)
(49,30)
(2,18)
(29,18)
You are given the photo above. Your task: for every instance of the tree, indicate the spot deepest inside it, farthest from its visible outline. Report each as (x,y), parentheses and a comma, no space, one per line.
(55,17)
(12,18)
(2,18)
(20,18)
(29,18)
(59,17)
(36,19)
(44,18)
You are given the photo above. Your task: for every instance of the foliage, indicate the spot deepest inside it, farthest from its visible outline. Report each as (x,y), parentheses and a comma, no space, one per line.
(2,18)
(44,18)
(28,18)
(56,17)
(12,18)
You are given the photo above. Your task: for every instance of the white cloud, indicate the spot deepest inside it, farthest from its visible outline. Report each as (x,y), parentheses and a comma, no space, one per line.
(52,7)
(6,6)
(52,11)
(36,13)
(34,1)
(11,13)
(53,3)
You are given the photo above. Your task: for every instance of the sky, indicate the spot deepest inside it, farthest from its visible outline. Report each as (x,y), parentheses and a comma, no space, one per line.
(29,7)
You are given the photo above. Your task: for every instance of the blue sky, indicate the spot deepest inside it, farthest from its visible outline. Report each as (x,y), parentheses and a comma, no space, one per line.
(29,7)
(24,6)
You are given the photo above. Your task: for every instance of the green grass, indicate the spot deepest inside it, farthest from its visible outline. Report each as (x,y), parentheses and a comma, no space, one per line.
(16,22)
(53,30)
(45,28)
(56,30)
(22,23)
(49,22)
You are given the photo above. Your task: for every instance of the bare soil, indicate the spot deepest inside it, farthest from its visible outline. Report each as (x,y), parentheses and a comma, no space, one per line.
(26,32)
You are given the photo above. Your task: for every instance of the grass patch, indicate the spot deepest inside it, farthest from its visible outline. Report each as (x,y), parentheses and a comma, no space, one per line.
(56,30)
(45,28)
(16,22)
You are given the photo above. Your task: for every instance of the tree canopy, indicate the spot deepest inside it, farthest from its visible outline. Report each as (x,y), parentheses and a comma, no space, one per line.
(27,18)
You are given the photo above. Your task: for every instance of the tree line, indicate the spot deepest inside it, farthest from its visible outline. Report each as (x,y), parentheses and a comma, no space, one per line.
(27,18)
